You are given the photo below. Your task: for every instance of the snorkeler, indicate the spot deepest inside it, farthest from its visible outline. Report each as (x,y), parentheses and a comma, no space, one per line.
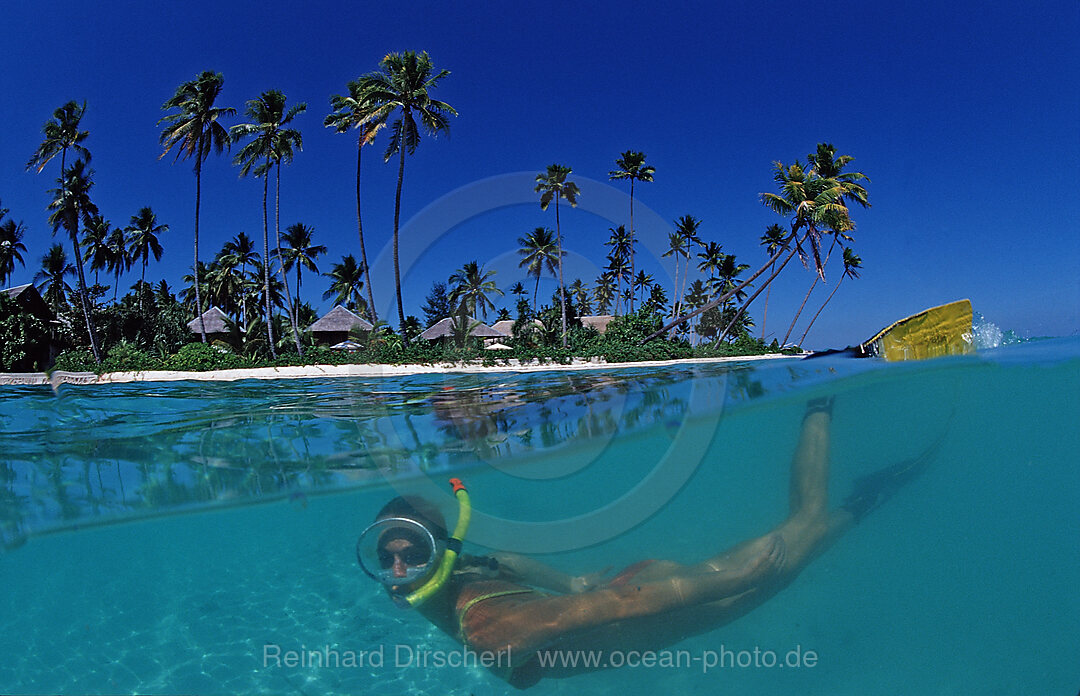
(516,605)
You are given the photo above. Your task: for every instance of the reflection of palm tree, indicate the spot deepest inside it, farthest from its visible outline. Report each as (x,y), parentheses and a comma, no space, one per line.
(852,264)
(538,251)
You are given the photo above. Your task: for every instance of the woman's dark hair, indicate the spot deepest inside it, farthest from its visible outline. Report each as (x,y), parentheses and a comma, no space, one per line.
(418,509)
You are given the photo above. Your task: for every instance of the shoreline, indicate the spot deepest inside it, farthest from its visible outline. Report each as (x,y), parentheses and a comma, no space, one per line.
(354,370)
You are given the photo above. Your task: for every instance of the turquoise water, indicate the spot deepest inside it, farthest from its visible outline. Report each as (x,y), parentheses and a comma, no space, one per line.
(158,536)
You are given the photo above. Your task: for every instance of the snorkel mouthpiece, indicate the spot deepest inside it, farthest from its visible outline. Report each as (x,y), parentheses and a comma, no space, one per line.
(401,552)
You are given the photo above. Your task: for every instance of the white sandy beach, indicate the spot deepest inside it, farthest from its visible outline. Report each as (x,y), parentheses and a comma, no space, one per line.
(359,370)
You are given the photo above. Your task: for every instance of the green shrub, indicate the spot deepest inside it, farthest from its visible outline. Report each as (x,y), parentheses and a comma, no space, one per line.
(199,357)
(126,357)
(76,360)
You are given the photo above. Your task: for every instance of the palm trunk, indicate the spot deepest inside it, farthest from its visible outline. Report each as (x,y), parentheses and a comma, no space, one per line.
(819,276)
(562,292)
(293,309)
(712,303)
(796,317)
(266,264)
(631,240)
(536,292)
(765,315)
(83,300)
(675,289)
(142,282)
(360,229)
(397,218)
(827,299)
(198,202)
(745,305)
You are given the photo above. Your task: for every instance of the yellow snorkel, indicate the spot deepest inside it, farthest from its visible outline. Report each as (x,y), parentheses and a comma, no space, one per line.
(453,548)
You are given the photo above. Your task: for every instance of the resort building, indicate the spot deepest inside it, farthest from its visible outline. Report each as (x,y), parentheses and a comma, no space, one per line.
(335,326)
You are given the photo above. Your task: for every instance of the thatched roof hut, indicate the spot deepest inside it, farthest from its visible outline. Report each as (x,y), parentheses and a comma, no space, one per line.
(336,325)
(597,321)
(39,351)
(444,327)
(507,326)
(216,322)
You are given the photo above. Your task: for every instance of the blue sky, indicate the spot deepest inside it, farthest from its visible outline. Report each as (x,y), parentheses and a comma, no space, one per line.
(963,115)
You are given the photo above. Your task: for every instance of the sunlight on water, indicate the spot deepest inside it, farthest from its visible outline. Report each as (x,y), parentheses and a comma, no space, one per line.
(963,583)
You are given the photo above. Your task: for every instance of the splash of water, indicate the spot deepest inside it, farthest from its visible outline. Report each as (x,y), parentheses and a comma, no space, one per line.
(988,335)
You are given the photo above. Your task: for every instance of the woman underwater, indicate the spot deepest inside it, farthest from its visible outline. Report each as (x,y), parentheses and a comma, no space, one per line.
(513,604)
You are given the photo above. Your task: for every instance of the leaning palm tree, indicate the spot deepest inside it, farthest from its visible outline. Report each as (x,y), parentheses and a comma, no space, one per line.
(259,155)
(11,246)
(300,252)
(346,284)
(195,129)
(815,206)
(355,110)
(145,230)
(403,85)
(51,280)
(71,205)
(552,185)
(631,165)
(471,285)
(852,264)
(538,252)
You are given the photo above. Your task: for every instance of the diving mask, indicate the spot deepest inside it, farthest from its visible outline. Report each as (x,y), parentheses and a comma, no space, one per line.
(397,551)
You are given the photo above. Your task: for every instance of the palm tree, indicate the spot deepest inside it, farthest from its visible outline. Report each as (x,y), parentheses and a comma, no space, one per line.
(270,141)
(604,293)
(815,205)
(852,264)
(11,246)
(242,247)
(712,256)
(300,252)
(696,296)
(471,287)
(674,250)
(580,292)
(631,165)
(346,283)
(518,289)
(144,230)
(224,284)
(356,111)
(195,128)
(538,251)
(191,294)
(61,133)
(120,259)
(50,279)
(71,205)
(622,247)
(403,85)
(552,185)
(95,243)
(774,242)
(642,281)
(686,227)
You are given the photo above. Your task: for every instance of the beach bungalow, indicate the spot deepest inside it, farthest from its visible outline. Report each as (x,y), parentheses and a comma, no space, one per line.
(597,321)
(444,328)
(43,353)
(334,327)
(217,326)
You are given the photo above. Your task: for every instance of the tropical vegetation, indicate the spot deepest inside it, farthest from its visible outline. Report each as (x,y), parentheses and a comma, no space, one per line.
(260,293)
